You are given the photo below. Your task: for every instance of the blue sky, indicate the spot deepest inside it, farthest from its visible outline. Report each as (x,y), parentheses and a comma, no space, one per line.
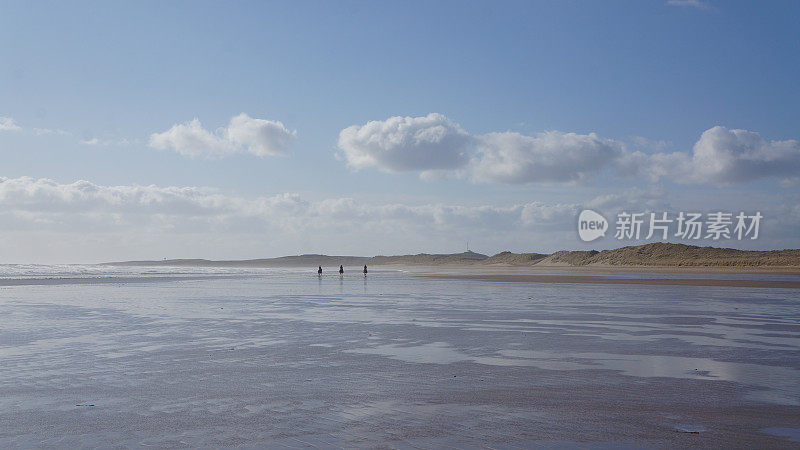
(88,84)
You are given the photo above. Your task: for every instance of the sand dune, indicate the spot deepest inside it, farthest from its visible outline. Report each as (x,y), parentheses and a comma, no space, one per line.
(663,254)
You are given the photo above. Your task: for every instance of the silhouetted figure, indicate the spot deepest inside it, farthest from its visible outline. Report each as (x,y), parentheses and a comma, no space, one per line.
(341,270)
(319,271)
(365,270)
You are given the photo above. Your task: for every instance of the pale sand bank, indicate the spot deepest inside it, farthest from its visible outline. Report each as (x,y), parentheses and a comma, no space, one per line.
(529,278)
(600,268)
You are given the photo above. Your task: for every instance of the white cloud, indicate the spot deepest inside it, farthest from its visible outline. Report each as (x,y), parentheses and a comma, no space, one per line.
(638,200)
(46,196)
(33,205)
(550,157)
(654,166)
(258,136)
(47,131)
(721,156)
(436,148)
(191,139)
(243,134)
(691,3)
(735,156)
(95,141)
(402,144)
(92,141)
(541,214)
(645,143)
(45,220)
(49,198)
(8,124)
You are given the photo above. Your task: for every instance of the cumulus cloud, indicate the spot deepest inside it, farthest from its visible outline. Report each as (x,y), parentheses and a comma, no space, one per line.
(550,157)
(8,124)
(191,139)
(435,148)
(735,156)
(402,144)
(721,156)
(259,136)
(244,134)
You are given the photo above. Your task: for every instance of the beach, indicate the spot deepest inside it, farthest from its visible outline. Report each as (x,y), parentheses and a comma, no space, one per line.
(402,358)
(601,279)
(398,225)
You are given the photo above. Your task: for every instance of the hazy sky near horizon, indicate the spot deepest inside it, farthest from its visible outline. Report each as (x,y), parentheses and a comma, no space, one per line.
(145,130)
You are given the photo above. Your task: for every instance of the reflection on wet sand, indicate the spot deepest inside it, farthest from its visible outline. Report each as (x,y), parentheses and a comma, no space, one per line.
(782,383)
(286,360)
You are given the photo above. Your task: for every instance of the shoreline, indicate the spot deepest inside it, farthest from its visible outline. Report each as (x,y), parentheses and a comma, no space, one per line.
(490,268)
(582,279)
(783,270)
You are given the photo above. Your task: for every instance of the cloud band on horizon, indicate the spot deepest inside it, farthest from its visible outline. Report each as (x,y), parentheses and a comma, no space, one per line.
(146,220)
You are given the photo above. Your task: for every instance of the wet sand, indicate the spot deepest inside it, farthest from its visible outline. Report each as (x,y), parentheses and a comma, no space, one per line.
(396,360)
(531,278)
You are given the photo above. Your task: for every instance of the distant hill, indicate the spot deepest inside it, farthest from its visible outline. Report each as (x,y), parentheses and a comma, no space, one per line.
(516,259)
(430,260)
(320,260)
(654,254)
(283,261)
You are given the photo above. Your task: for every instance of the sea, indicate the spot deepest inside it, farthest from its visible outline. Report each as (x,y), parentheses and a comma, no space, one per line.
(96,356)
